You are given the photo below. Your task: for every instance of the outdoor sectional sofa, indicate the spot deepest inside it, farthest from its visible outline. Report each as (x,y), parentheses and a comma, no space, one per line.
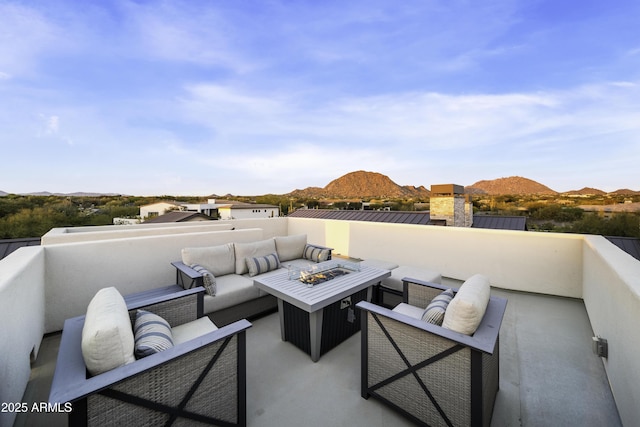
(227,272)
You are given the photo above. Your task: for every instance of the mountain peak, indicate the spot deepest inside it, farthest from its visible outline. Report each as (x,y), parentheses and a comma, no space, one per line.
(363,184)
(509,185)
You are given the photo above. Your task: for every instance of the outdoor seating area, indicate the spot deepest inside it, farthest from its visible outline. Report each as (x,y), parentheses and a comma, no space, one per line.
(537,350)
(284,388)
(180,367)
(227,272)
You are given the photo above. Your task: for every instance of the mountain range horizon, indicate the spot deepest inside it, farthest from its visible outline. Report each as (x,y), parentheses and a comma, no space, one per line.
(373,184)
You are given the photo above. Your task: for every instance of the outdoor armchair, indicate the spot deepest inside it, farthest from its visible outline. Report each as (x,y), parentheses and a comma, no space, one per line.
(200,380)
(432,375)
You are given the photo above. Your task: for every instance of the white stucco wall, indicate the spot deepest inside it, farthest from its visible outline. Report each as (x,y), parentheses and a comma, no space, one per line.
(76,271)
(271,226)
(229,213)
(157,208)
(86,234)
(548,263)
(611,292)
(22,311)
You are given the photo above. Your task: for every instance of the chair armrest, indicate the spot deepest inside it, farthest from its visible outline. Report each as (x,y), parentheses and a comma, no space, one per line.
(186,276)
(70,382)
(484,339)
(174,304)
(420,293)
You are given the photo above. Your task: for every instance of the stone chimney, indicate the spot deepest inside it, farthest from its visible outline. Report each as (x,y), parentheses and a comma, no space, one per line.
(450,206)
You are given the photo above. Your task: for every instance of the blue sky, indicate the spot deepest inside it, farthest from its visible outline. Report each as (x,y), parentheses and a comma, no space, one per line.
(254,97)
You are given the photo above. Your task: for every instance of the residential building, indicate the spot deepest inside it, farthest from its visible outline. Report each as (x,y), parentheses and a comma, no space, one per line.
(216,209)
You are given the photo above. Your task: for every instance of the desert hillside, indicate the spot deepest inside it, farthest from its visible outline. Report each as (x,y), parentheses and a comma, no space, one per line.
(510,185)
(362,184)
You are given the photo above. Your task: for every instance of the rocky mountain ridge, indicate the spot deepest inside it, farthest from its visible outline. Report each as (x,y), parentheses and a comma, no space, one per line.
(510,185)
(363,184)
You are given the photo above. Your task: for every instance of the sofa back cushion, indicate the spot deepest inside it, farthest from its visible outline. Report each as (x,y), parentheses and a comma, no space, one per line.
(252,250)
(219,260)
(466,309)
(107,335)
(290,247)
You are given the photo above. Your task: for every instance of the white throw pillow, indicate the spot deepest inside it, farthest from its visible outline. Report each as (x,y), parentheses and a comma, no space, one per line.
(219,260)
(290,247)
(466,309)
(107,335)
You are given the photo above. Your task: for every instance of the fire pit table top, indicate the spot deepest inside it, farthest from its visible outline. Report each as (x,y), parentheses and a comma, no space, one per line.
(331,281)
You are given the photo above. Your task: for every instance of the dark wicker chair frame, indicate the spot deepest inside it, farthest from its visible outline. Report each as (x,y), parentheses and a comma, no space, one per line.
(432,375)
(199,381)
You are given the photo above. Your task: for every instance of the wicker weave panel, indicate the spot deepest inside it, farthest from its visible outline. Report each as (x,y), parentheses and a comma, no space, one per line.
(177,311)
(448,380)
(490,382)
(421,296)
(168,384)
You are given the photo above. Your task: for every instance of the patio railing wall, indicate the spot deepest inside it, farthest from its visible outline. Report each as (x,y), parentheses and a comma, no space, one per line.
(42,286)
(22,311)
(611,289)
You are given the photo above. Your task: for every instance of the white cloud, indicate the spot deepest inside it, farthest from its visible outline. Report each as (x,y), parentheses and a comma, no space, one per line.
(183,32)
(26,34)
(262,133)
(423,121)
(53,125)
(49,127)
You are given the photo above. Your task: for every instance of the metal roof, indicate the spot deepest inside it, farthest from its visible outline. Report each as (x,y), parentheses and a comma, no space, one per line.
(9,245)
(371,216)
(410,217)
(499,222)
(178,216)
(630,245)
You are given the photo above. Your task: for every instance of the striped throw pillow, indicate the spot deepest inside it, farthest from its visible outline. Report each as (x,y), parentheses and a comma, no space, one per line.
(316,253)
(434,313)
(208,279)
(152,334)
(262,264)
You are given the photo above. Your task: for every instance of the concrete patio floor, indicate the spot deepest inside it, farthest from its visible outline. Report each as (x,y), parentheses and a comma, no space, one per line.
(548,375)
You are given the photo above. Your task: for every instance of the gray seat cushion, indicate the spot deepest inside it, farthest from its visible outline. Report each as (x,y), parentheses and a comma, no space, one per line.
(397,274)
(232,289)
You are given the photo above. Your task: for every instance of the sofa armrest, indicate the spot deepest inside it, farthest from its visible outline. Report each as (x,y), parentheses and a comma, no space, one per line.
(420,293)
(324,247)
(186,276)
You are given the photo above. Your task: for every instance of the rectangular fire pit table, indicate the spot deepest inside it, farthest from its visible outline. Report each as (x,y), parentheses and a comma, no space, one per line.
(316,319)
